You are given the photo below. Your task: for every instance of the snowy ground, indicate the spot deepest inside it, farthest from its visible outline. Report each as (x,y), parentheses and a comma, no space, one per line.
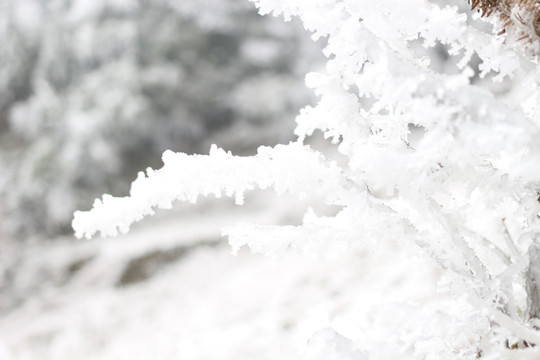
(172,290)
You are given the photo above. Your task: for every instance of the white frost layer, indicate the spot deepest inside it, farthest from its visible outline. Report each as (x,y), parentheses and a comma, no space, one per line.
(292,168)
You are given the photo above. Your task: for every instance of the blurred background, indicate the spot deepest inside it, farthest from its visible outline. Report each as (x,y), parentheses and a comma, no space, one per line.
(91,92)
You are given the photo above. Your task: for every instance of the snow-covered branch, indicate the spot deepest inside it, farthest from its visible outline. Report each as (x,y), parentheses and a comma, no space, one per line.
(292,168)
(439,156)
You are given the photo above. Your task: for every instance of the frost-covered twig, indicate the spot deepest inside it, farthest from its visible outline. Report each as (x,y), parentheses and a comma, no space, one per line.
(292,168)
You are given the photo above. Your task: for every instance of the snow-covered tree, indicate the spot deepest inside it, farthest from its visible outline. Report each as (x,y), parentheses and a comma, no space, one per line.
(440,158)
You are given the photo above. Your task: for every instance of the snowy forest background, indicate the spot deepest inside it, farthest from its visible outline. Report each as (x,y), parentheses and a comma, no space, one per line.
(406,216)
